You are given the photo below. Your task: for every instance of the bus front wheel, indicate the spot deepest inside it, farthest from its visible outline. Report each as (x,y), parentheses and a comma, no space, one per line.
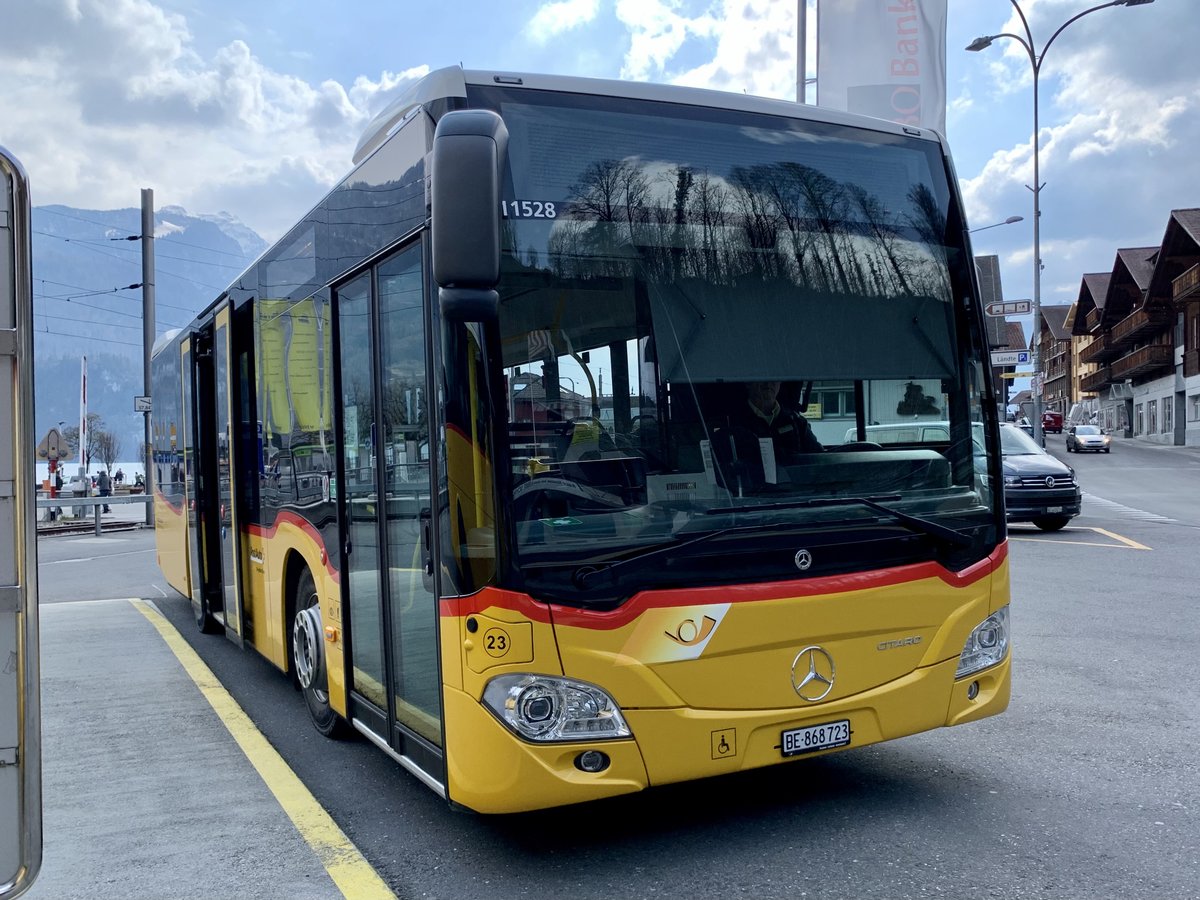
(205,620)
(308,659)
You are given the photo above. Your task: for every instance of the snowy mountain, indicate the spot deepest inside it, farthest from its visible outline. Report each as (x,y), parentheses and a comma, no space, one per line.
(87,273)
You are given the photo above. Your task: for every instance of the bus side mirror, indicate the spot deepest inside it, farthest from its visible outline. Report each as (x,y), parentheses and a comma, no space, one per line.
(469,148)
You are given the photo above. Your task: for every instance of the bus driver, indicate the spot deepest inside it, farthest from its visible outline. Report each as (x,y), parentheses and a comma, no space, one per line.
(764,416)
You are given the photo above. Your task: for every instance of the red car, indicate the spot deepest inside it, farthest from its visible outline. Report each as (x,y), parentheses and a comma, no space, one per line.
(1052,422)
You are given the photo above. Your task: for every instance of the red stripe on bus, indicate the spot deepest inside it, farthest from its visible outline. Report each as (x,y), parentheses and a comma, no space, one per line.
(746,593)
(495,598)
(777,590)
(177,509)
(291,518)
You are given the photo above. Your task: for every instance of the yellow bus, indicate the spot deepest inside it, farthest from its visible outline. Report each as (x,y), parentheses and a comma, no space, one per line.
(525,452)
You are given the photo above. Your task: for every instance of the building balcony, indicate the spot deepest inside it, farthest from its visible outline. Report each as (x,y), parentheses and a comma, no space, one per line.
(1140,324)
(1101,350)
(1057,349)
(1191,363)
(1097,381)
(1092,322)
(1150,360)
(1186,288)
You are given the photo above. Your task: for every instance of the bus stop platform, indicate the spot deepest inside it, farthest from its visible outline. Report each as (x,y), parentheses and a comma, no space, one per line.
(156,784)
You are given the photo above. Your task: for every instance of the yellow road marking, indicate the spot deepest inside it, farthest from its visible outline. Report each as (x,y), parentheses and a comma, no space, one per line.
(1124,540)
(1046,539)
(349,870)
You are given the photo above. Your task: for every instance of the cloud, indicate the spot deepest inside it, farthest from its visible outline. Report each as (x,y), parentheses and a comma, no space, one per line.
(1119,120)
(657,31)
(553,19)
(103,96)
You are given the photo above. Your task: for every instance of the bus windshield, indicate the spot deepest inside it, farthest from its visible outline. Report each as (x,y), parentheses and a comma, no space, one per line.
(704,316)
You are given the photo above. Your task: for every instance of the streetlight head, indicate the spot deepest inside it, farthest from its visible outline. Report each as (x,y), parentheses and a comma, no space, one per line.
(1132,2)
(1013,219)
(982,43)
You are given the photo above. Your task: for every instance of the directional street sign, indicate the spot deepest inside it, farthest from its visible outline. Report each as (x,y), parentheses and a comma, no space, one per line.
(1009,308)
(1016,374)
(1010,357)
(141,404)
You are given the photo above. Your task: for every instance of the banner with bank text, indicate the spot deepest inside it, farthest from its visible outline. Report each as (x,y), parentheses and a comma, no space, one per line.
(884,58)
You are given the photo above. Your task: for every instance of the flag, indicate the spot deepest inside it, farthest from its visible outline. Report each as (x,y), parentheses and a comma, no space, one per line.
(884,58)
(83,429)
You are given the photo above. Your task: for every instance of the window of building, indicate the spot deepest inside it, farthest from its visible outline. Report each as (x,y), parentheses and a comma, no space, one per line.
(1152,417)
(1139,415)
(1167,416)
(1193,408)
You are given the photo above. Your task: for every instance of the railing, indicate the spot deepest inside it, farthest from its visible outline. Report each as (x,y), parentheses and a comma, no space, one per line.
(1097,381)
(1147,359)
(1140,322)
(1099,350)
(96,502)
(1186,288)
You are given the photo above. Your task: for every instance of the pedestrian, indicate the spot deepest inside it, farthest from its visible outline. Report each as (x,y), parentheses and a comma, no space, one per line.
(119,478)
(104,482)
(56,511)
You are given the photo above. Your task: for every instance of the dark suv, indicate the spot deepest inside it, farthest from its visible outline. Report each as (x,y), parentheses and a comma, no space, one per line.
(1037,487)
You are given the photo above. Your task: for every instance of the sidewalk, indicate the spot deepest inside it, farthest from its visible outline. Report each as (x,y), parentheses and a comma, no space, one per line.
(146,793)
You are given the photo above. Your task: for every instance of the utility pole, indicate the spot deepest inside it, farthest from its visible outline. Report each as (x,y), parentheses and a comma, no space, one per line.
(148,335)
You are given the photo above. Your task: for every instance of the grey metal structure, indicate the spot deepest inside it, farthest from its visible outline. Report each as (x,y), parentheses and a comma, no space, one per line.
(20,710)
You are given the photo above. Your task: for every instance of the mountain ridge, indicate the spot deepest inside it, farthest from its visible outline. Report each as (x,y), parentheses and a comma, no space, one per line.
(87,301)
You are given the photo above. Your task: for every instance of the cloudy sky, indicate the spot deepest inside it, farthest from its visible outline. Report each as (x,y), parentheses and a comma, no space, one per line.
(254,108)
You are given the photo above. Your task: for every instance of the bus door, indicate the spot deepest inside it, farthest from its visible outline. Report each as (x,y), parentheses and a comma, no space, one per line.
(220,595)
(386,508)
(191,506)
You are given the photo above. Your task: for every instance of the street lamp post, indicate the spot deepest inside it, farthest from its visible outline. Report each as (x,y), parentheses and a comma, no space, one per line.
(1035,60)
(1009,221)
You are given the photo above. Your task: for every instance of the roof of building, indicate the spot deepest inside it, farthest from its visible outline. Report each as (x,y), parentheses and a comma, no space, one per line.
(1014,334)
(1180,250)
(1127,286)
(1055,318)
(1093,289)
(1139,262)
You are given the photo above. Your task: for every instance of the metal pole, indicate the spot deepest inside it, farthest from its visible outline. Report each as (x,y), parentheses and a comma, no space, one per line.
(1035,60)
(1037,266)
(147,335)
(801,51)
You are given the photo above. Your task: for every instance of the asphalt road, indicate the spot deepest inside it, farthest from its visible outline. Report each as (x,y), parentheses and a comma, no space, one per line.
(1087,787)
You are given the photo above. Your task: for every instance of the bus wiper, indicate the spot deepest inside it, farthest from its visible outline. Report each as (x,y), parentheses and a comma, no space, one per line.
(588,571)
(911,522)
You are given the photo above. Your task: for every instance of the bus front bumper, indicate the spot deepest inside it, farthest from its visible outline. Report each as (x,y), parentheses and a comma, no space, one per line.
(491,770)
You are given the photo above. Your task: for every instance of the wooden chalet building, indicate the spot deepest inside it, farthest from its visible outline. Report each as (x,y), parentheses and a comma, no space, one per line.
(1139,335)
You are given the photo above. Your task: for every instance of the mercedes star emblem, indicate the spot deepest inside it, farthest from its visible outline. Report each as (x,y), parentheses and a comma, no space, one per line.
(803,560)
(812,673)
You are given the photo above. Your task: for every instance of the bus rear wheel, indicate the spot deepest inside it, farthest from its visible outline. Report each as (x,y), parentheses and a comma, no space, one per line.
(308,659)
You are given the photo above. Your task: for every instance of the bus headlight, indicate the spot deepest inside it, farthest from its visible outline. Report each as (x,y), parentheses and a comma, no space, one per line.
(547,708)
(986,645)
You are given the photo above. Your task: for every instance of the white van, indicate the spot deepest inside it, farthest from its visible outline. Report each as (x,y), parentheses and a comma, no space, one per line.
(903,433)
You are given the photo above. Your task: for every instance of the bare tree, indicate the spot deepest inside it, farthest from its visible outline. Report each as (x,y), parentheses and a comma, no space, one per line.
(95,425)
(108,448)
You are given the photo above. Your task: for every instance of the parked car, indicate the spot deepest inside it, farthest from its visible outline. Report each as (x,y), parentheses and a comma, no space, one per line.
(1037,487)
(1052,422)
(79,485)
(1088,437)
